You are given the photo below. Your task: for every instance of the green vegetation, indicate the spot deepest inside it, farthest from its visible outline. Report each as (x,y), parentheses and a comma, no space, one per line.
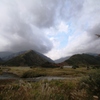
(43,90)
(49,65)
(29,58)
(0,71)
(75,66)
(92,84)
(16,70)
(83,60)
(34,72)
(67,72)
(67,89)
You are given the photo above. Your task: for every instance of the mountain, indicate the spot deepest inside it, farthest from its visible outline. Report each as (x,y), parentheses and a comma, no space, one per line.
(62,59)
(93,54)
(8,55)
(28,58)
(83,59)
(66,58)
(5,53)
(12,55)
(45,57)
(1,60)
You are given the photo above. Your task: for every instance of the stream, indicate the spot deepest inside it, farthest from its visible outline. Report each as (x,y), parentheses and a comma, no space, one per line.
(7,75)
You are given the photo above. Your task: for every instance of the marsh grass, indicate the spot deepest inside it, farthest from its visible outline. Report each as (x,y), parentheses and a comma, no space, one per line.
(91,84)
(42,90)
(0,71)
(35,72)
(15,70)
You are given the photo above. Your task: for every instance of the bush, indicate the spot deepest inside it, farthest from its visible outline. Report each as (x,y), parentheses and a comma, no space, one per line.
(0,71)
(75,66)
(96,67)
(92,84)
(42,90)
(31,74)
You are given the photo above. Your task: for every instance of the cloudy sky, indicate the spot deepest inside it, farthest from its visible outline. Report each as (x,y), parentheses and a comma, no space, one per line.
(56,28)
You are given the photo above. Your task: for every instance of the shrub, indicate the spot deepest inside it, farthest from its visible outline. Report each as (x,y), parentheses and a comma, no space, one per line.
(31,74)
(0,71)
(92,84)
(75,66)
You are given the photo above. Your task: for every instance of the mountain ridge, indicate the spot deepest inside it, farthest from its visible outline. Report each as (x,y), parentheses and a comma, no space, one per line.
(28,58)
(83,59)
(60,60)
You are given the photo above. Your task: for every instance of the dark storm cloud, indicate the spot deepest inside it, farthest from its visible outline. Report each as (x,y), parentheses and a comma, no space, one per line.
(95,31)
(71,9)
(23,24)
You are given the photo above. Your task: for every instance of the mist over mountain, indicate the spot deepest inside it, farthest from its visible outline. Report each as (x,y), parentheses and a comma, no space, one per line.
(5,53)
(93,54)
(12,55)
(61,59)
(33,58)
(26,58)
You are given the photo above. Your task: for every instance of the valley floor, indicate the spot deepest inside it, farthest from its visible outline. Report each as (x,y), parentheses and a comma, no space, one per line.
(35,72)
(52,84)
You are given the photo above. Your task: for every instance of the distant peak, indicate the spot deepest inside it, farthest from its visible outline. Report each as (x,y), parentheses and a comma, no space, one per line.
(29,51)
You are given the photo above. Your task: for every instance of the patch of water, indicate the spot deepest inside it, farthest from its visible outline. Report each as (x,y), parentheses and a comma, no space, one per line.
(6,75)
(49,78)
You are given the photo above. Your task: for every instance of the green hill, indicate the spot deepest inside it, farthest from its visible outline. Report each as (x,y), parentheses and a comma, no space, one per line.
(83,59)
(29,58)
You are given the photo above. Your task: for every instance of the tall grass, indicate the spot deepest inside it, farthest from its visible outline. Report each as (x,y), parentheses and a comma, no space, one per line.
(91,84)
(0,71)
(35,72)
(48,90)
(42,90)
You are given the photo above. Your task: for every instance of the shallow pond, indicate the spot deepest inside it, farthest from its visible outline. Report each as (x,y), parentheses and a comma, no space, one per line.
(6,75)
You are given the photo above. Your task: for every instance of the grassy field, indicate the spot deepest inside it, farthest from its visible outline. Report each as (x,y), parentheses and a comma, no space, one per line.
(79,89)
(42,90)
(34,72)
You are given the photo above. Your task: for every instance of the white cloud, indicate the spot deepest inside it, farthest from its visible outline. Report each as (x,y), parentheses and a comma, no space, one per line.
(62,27)
(83,39)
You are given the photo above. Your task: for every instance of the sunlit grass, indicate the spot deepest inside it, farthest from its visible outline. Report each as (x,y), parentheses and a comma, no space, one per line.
(18,70)
(68,72)
(21,71)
